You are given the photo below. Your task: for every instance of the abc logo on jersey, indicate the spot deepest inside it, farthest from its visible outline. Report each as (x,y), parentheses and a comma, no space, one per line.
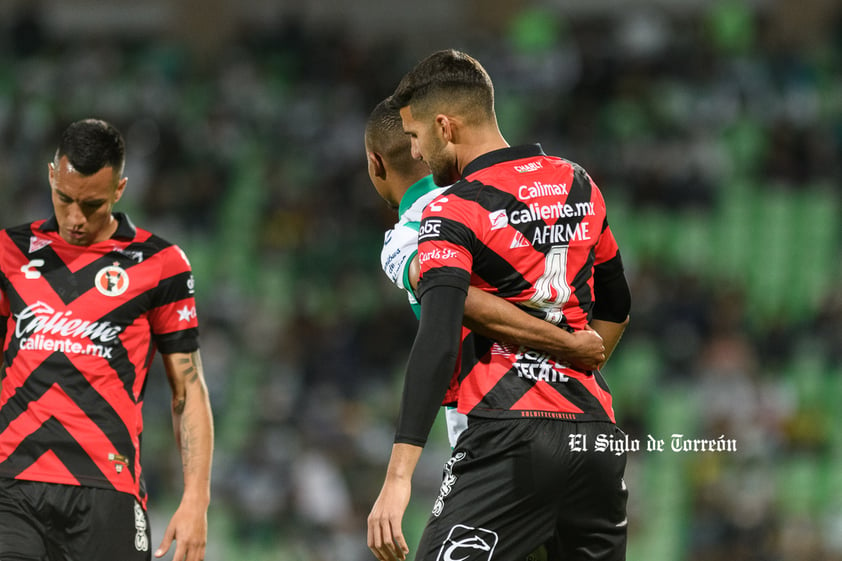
(430,228)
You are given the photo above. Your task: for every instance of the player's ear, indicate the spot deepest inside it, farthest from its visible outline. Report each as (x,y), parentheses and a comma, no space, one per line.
(444,125)
(121,186)
(376,165)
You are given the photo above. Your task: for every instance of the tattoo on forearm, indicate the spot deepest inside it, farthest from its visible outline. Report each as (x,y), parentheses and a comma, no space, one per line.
(189,369)
(186,447)
(190,422)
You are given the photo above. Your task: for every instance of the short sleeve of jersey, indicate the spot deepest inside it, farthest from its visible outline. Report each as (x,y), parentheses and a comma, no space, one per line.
(173,318)
(401,242)
(399,247)
(445,242)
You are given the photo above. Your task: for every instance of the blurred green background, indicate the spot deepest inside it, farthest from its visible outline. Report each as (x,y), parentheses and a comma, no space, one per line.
(714,129)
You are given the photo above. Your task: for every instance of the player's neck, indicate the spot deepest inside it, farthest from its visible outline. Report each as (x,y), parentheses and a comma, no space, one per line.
(479,144)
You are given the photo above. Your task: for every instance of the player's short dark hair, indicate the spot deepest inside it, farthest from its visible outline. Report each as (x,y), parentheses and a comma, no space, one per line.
(447,80)
(91,145)
(384,134)
(384,126)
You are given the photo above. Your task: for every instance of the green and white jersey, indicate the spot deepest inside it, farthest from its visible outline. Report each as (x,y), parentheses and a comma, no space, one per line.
(401,242)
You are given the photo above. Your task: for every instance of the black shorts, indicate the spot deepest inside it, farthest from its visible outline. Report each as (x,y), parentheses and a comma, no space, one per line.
(512,485)
(51,522)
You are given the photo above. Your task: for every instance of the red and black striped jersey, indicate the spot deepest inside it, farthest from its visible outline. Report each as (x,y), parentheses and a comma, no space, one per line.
(82,325)
(529,228)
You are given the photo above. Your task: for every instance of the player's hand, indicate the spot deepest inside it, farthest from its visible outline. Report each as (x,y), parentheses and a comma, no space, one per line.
(587,350)
(385,536)
(188,527)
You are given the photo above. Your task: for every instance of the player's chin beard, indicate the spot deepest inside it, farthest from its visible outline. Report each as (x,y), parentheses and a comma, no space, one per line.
(444,172)
(440,179)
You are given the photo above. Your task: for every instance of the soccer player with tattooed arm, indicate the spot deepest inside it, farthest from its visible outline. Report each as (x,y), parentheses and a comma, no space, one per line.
(86,301)
(532,229)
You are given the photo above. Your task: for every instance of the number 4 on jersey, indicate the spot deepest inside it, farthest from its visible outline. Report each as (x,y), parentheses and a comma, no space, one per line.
(551,288)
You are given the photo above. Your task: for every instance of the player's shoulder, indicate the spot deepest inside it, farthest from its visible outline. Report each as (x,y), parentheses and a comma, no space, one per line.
(129,231)
(422,202)
(152,240)
(19,234)
(21,228)
(417,197)
(578,169)
(575,168)
(147,244)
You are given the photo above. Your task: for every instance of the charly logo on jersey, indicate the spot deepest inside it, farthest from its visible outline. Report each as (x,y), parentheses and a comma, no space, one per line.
(112,280)
(30,270)
(529,167)
(466,543)
(436,205)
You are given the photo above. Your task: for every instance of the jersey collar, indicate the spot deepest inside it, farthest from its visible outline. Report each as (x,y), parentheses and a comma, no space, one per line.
(503,155)
(125,228)
(415,192)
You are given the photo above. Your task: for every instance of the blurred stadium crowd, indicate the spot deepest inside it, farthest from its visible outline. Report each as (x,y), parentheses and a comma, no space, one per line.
(716,137)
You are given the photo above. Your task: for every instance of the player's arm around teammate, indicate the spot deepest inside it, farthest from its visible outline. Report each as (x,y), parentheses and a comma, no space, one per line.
(193,428)
(500,320)
(399,179)
(610,331)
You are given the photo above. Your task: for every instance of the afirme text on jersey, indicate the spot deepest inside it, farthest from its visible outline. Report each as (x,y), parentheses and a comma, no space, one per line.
(677,443)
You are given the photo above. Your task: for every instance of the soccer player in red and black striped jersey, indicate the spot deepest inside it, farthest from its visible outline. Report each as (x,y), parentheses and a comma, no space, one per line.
(86,300)
(404,183)
(532,229)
